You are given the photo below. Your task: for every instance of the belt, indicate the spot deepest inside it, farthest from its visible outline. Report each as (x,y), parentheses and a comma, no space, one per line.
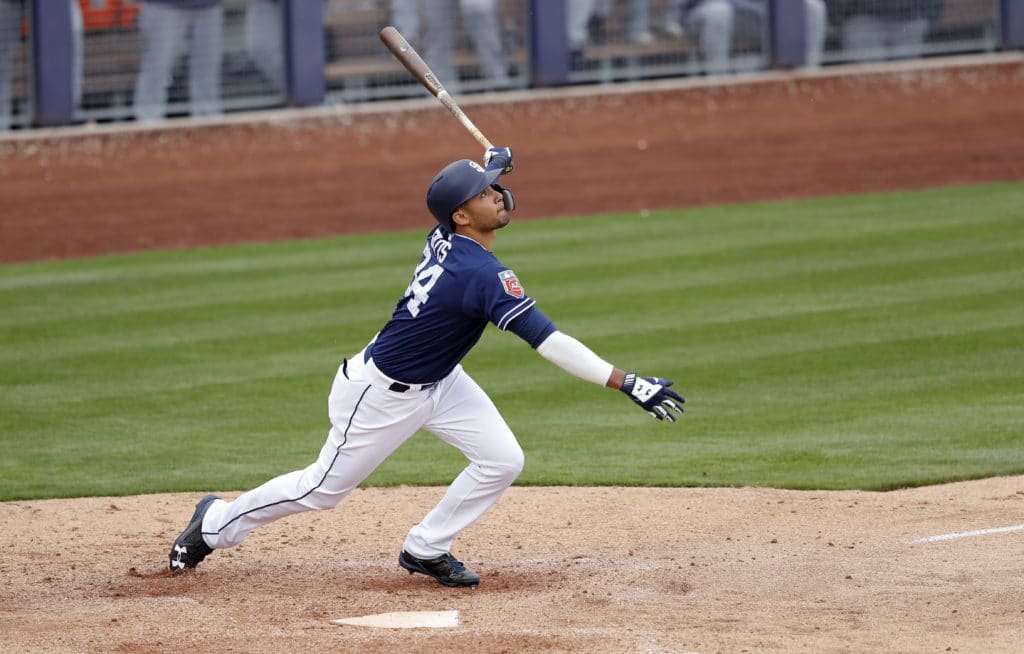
(397,386)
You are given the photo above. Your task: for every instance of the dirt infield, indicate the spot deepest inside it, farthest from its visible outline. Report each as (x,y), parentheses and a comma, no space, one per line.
(564,569)
(622,570)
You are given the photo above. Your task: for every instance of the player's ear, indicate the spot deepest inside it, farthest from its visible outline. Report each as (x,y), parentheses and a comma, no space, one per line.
(460,218)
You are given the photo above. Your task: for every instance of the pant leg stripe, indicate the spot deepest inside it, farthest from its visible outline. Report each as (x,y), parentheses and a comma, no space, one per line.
(320,483)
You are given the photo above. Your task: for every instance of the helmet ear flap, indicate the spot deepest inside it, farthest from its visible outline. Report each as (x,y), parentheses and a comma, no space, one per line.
(506,196)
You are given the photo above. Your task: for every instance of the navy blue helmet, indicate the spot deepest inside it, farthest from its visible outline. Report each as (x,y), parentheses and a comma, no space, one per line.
(458,182)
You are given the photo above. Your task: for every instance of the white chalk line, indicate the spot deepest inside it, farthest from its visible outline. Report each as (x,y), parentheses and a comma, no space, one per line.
(969,534)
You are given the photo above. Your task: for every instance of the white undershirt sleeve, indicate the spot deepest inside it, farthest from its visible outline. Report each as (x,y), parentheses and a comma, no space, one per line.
(575,358)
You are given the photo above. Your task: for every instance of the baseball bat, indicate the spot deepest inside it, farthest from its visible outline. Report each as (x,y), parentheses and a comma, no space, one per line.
(419,69)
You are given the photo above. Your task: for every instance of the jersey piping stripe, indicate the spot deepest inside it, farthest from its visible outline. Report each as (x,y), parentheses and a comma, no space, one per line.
(320,483)
(514,313)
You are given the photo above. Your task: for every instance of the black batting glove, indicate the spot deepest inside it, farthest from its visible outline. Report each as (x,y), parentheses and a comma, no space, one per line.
(653,395)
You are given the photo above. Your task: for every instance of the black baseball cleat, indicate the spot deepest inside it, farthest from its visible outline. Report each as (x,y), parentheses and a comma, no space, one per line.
(446,569)
(189,547)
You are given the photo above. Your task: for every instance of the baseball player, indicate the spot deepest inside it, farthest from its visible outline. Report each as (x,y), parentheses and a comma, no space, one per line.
(409,376)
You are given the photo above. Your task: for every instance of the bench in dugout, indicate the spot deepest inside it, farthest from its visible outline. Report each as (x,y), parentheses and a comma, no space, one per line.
(967,20)
(963,26)
(359,67)
(609,56)
(110,67)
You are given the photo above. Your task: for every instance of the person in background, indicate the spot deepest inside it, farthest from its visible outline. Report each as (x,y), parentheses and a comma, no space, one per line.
(430,28)
(405,16)
(713,22)
(264,39)
(582,14)
(12,16)
(816,23)
(165,24)
(873,29)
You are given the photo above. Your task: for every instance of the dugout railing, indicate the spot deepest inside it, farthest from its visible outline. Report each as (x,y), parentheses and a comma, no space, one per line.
(309,52)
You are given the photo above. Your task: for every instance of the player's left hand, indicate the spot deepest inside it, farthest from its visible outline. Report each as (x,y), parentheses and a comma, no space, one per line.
(496,158)
(653,395)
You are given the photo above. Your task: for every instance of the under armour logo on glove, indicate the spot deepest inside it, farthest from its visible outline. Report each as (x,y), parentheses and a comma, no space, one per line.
(653,395)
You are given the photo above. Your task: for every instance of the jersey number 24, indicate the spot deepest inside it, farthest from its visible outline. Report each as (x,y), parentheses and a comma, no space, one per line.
(423,279)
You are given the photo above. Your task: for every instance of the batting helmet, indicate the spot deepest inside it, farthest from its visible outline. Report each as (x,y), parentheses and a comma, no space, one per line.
(457,182)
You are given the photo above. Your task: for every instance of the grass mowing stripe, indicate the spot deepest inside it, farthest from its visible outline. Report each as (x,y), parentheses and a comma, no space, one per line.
(657,230)
(150,327)
(180,328)
(28,306)
(843,342)
(720,343)
(727,228)
(211,261)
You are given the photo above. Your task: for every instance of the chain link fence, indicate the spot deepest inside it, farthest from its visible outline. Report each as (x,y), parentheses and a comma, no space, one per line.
(15,83)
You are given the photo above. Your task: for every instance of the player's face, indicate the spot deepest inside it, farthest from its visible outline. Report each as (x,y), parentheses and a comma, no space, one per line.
(486,212)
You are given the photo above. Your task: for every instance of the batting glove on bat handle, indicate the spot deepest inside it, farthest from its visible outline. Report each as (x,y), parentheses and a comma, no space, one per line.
(653,395)
(498,158)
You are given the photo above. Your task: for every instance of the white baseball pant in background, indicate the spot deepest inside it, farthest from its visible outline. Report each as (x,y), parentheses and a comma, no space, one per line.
(429,25)
(164,29)
(264,39)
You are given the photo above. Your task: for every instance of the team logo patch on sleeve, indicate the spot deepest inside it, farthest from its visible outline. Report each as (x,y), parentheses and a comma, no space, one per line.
(511,284)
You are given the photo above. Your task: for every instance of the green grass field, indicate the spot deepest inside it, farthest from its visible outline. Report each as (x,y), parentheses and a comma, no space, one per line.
(856,342)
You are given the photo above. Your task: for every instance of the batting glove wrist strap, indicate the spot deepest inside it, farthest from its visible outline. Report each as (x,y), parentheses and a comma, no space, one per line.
(653,395)
(498,158)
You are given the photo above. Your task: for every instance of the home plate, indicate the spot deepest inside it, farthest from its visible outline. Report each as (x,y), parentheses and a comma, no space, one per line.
(405,620)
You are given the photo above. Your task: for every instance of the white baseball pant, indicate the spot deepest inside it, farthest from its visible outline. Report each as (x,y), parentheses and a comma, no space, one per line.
(368,423)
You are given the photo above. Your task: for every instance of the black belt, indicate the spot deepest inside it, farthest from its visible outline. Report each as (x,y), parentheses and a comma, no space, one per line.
(397,387)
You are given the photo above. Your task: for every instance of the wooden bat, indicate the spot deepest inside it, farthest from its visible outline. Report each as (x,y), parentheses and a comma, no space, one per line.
(412,61)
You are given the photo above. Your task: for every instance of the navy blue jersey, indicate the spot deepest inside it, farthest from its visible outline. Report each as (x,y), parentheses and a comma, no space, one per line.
(457,288)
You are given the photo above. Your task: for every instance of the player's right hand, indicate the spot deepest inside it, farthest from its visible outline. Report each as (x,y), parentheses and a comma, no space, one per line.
(496,158)
(653,395)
